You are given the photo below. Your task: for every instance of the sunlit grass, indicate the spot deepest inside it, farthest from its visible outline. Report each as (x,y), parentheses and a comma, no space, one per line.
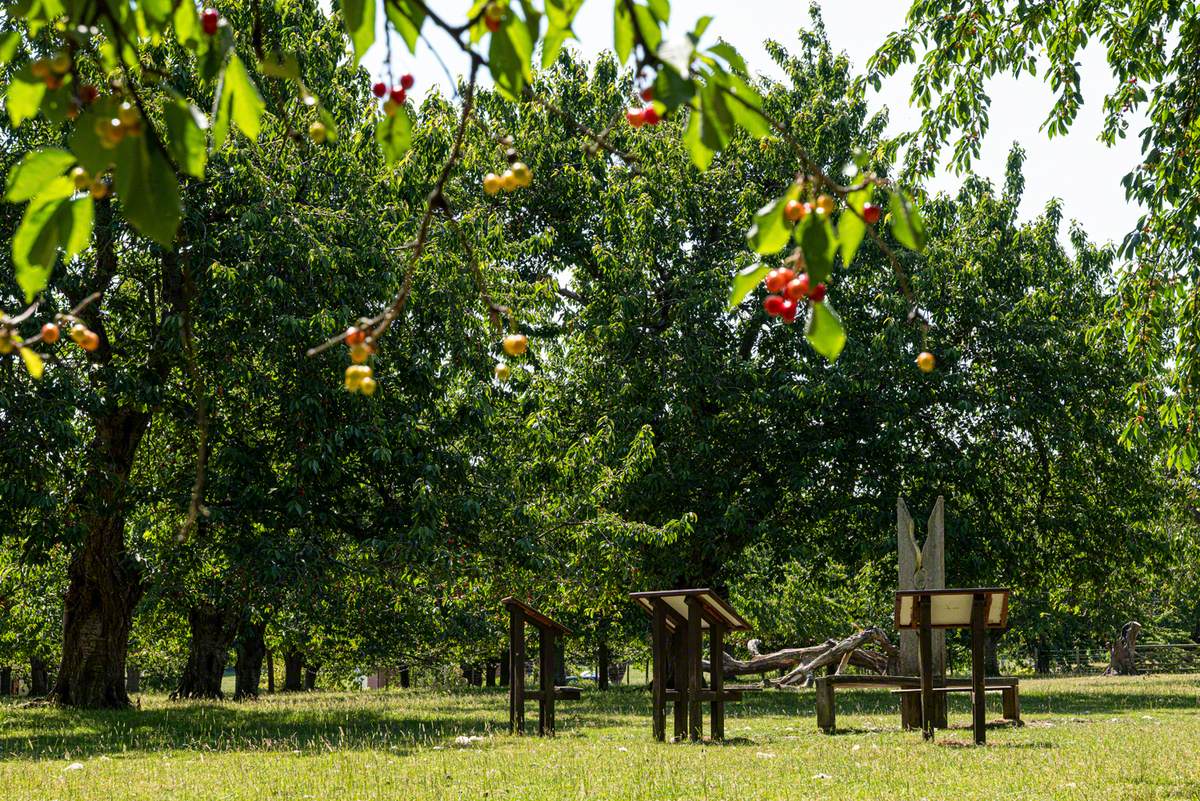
(1104,738)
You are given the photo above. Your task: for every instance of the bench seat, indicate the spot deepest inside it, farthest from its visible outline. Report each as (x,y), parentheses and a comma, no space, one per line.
(1008,686)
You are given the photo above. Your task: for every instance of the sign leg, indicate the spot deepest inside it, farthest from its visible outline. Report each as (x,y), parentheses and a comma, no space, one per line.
(925,637)
(979,705)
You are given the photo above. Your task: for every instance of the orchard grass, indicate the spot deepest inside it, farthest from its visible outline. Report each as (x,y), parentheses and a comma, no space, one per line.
(1103,738)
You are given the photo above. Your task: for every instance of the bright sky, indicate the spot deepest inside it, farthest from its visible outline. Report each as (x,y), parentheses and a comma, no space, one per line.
(1077,168)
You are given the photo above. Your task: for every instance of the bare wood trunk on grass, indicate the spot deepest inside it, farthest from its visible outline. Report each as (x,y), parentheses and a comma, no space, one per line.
(1122,654)
(801,663)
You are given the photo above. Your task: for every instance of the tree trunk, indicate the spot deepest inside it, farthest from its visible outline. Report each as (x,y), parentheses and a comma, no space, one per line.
(504,677)
(212,630)
(405,677)
(39,678)
(560,658)
(991,655)
(1122,654)
(6,681)
(310,677)
(802,662)
(293,669)
(492,668)
(251,648)
(270,671)
(602,663)
(105,584)
(133,679)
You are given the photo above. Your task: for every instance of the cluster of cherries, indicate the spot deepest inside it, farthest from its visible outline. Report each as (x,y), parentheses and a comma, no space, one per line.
(637,117)
(515,345)
(359,376)
(396,95)
(53,71)
(517,175)
(127,122)
(788,290)
(81,335)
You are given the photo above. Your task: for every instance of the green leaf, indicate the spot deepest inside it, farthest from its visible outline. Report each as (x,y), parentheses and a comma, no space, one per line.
(907,225)
(8,46)
(359,19)
(185,135)
(280,65)
(672,89)
(187,24)
(148,190)
(45,226)
(716,123)
(648,26)
(702,154)
(622,32)
(31,174)
(560,14)
(394,134)
(746,105)
(744,283)
(33,363)
(85,142)
(237,100)
(824,331)
(818,241)
(851,227)
(731,56)
(770,231)
(661,9)
(510,57)
(407,18)
(24,96)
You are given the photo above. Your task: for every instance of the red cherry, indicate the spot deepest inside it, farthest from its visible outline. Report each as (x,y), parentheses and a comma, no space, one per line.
(773,305)
(398,95)
(636,117)
(407,81)
(209,20)
(798,287)
(493,25)
(650,114)
(787,274)
(871,213)
(788,310)
(774,281)
(818,293)
(648,94)
(88,94)
(355,336)
(379,89)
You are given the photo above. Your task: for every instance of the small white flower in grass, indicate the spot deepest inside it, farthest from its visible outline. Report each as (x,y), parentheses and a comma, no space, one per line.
(856,747)
(1070,784)
(822,776)
(462,740)
(764,755)
(74,766)
(622,749)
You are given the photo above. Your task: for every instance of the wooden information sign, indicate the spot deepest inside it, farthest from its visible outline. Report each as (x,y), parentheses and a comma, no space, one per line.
(978,609)
(679,620)
(546,694)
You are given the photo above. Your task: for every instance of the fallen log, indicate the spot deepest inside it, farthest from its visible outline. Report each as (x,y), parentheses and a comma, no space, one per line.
(803,661)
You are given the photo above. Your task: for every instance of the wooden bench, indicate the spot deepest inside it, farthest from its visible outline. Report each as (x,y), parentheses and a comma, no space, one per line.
(1008,686)
(548,633)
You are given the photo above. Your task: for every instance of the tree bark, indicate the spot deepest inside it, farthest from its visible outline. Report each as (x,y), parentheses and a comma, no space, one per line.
(270,671)
(212,629)
(405,677)
(251,648)
(133,679)
(104,583)
(1122,654)
(602,665)
(492,668)
(310,677)
(39,678)
(6,681)
(293,669)
(504,677)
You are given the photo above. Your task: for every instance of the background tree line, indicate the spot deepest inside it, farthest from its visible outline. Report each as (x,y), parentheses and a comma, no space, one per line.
(651,437)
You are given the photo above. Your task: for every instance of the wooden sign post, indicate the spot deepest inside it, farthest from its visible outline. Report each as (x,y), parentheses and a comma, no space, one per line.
(921,568)
(679,619)
(978,609)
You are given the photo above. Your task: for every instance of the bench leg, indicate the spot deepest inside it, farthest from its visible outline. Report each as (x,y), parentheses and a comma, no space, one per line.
(1012,704)
(826,714)
(679,643)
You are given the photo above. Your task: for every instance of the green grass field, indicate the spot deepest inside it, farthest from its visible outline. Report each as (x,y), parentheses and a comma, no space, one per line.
(1094,738)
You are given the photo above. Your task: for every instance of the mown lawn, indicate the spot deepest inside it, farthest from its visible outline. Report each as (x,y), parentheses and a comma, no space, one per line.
(1096,738)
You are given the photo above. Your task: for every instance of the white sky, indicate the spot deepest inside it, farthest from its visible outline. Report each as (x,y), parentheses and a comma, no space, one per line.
(1077,168)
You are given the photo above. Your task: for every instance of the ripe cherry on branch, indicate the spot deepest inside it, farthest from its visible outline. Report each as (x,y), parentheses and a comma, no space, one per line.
(773,305)
(379,89)
(516,344)
(210,19)
(398,95)
(926,362)
(870,213)
(50,333)
(777,280)
(407,81)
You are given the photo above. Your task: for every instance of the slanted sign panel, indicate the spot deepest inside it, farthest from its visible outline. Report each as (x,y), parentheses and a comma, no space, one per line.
(952,608)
